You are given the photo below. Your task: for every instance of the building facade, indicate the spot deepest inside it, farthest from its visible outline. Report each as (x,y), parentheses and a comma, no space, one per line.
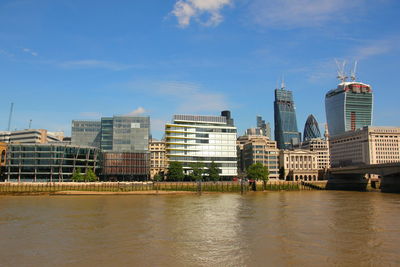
(264,127)
(260,149)
(31,136)
(286,133)
(49,162)
(311,129)
(158,159)
(86,133)
(203,139)
(124,141)
(348,107)
(3,153)
(298,165)
(368,145)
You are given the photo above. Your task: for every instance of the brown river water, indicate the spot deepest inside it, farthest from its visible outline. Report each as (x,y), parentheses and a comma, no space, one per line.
(305,228)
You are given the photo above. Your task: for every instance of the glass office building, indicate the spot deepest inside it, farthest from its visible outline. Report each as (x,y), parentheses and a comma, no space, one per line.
(53,162)
(86,133)
(311,129)
(124,141)
(348,107)
(286,133)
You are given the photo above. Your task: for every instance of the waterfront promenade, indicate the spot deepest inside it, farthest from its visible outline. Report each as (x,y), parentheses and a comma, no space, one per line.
(107,188)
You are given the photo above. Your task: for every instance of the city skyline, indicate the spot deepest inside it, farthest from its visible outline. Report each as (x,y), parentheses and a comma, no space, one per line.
(154,59)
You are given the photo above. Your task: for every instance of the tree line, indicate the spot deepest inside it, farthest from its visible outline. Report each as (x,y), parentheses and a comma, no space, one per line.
(201,172)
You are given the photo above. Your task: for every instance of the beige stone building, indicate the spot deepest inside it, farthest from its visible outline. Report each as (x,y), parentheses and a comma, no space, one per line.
(321,146)
(158,159)
(259,149)
(299,165)
(31,136)
(3,153)
(368,145)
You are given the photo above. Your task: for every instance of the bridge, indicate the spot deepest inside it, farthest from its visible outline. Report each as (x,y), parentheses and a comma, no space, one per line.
(353,177)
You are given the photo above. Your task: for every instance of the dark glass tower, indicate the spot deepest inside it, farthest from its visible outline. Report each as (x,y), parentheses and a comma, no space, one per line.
(349,107)
(286,133)
(311,129)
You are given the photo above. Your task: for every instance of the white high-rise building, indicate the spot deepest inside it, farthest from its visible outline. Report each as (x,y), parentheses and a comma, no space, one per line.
(205,139)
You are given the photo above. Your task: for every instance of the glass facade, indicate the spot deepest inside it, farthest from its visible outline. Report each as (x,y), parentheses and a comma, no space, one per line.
(349,107)
(86,133)
(286,133)
(311,129)
(49,162)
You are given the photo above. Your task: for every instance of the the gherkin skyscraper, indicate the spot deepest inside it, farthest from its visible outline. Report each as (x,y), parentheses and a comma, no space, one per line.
(311,129)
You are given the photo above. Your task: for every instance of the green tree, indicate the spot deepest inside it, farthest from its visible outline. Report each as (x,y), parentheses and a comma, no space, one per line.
(213,172)
(90,176)
(158,177)
(258,171)
(175,171)
(77,176)
(197,171)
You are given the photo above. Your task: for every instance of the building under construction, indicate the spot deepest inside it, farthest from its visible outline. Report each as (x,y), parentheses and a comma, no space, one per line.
(53,162)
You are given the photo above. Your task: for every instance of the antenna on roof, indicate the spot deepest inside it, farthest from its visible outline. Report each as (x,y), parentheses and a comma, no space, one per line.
(353,76)
(30,123)
(283,82)
(341,70)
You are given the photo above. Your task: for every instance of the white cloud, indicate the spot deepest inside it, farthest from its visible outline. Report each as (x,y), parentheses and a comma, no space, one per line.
(191,97)
(376,47)
(205,12)
(184,97)
(137,112)
(92,63)
(30,51)
(300,13)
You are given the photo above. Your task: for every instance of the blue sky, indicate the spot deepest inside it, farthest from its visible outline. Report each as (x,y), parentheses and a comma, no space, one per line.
(71,59)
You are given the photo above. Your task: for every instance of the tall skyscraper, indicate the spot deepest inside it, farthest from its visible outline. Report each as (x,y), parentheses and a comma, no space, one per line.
(286,133)
(203,139)
(311,129)
(348,107)
(265,127)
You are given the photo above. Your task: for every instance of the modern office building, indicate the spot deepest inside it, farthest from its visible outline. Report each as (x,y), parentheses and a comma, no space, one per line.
(286,133)
(158,159)
(205,139)
(86,133)
(368,145)
(298,165)
(263,126)
(124,141)
(311,129)
(31,136)
(263,150)
(53,162)
(3,153)
(125,166)
(348,107)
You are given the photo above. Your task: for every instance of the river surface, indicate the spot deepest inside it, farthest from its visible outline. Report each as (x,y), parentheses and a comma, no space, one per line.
(306,228)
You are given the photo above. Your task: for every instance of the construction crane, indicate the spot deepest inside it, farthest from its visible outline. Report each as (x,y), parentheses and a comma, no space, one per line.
(341,70)
(353,76)
(10,116)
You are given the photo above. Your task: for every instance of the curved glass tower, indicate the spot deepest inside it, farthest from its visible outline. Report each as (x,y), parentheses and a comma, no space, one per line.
(311,129)
(286,133)
(348,107)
